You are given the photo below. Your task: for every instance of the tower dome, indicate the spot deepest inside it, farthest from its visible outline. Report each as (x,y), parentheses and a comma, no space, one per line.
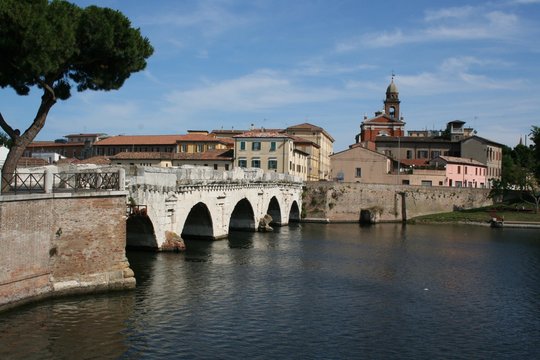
(392,88)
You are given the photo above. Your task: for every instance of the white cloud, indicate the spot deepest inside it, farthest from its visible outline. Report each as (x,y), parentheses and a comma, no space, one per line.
(448,24)
(453,12)
(321,68)
(457,74)
(211,18)
(257,91)
(525,2)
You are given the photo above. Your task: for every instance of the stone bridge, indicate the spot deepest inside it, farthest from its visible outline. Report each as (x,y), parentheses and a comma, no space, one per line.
(197,202)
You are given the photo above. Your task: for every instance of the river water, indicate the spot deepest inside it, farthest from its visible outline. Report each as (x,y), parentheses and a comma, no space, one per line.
(307,291)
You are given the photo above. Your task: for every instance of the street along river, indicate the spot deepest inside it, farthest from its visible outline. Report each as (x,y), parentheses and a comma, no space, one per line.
(307,291)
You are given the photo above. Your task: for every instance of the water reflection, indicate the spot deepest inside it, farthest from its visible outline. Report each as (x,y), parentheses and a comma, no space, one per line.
(307,291)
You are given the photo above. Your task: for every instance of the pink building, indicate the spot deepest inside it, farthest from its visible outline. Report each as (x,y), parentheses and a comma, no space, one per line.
(461,172)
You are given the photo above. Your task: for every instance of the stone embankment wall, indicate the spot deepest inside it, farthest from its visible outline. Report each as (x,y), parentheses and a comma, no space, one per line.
(56,244)
(344,202)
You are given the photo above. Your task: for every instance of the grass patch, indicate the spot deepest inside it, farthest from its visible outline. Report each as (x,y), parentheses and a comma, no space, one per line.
(514,212)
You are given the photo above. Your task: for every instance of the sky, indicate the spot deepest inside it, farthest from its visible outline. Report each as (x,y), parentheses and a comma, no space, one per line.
(228,64)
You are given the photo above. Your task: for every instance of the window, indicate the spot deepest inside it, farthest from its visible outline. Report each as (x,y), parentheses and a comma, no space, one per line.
(226,167)
(405,182)
(211,147)
(215,166)
(426,183)
(358,172)
(459,184)
(256,163)
(242,163)
(458,170)
(272,164)
(256,146)
(465,169)
(422,154)
(242,145)
(409,154)
(435,153)
(273,146)
(184,147)
(200,147)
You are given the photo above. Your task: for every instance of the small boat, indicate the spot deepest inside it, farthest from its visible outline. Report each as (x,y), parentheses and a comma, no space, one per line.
(497,222)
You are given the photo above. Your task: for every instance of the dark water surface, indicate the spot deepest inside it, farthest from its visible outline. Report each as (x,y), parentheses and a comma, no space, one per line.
(307,291)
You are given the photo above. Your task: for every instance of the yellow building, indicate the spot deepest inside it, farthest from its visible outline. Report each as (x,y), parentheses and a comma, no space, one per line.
(197,141)
(270,151)
(325,142)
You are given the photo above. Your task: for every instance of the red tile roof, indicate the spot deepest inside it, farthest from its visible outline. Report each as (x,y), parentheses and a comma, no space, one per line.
(30,161)
(460,160)
(207,155)
(414,162)
(52,144)
(261,134)
(140,140)
(98,160)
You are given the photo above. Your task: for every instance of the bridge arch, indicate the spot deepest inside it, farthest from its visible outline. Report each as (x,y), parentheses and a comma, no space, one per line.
(274,210)
(198,223)
(294,213)
(140,232)
(243,216)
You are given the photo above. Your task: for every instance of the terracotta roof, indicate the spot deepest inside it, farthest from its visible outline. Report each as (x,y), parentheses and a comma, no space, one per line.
(85,135)
(309,127)
(482,140)
(50,144)
(207,155)
(98,160)
(201,137)
(382,119)
(140,140)
(414,162)
(459,160)
(301,140)
(67,161)
(30,161)
(260,134)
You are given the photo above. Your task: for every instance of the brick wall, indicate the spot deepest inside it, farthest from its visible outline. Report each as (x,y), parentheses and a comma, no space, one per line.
(68,243)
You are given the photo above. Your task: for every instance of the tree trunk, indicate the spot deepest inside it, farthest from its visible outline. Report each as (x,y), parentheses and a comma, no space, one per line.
(20,142)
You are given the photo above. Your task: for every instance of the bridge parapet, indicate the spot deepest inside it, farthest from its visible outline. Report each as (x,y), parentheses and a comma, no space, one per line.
(198,175)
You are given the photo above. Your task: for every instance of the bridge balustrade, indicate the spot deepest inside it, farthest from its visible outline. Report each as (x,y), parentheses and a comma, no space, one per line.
(49,182)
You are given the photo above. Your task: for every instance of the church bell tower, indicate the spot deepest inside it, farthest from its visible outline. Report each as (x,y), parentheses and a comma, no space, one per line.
(391,104)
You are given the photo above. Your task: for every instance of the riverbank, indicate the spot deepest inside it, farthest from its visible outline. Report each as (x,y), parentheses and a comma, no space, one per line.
(510,214)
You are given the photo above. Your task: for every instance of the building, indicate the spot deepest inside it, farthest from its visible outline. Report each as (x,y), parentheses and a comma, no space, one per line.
(384,123)
(217,159)
(314,158)
(4,151)
(270,151)
(197,141)
(136,143)
(51,158)
(78,146)
(415,149)
(385,134)
(323,139)
(486,152)
(61,147)
(462,172)
(359,164)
